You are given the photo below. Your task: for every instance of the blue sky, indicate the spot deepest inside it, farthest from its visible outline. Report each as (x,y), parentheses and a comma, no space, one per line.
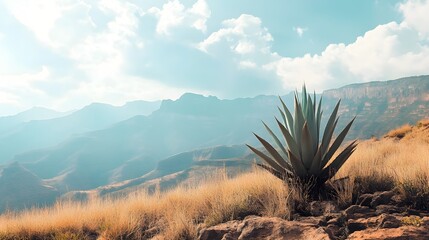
(65,54)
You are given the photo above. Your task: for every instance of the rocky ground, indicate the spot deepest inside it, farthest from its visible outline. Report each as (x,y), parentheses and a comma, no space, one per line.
(381,215)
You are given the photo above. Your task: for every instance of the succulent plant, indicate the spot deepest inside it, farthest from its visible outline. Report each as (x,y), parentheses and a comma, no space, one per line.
(306,154)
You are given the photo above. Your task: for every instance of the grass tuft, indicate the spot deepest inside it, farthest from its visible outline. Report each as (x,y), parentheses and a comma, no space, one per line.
(399,132)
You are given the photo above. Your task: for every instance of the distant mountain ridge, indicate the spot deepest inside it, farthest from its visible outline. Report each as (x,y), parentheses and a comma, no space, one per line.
(19,189)
(44,133)
(381,106)
(143,151)
(35,113)
(133,147)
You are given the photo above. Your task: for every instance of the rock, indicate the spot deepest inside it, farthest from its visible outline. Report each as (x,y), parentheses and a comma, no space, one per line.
(219,231)
(382,221)
(401,233)
(354,225)
(382,198)
(356,211)
(336,232)
(337,219)
(398,200)
(425,222)
(413,212)
(319,221)
(380,209)
(388,221)
(318,208)
(263,228)
(365,199)
(356,222)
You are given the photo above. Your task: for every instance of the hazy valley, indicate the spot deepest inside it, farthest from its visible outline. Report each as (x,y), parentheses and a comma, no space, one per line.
(102,149)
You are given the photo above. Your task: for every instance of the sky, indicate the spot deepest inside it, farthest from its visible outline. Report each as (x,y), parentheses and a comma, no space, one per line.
(65,54)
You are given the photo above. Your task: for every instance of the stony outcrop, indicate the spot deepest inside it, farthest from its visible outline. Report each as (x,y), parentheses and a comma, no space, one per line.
(379,217)
(254,227)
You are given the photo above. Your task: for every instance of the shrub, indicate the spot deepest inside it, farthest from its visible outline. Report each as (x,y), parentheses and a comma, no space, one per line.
(307,152)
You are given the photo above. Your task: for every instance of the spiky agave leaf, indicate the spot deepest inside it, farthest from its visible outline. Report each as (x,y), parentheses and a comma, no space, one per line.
(306,146)
(291,144)
(275,138)
(334,147)
(338,162)
(288,116)
(306,156)
(273,164)
(275,172)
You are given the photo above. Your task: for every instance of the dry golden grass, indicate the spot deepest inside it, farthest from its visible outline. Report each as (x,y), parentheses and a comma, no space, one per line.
(173,215)
(423,123)
(390,163)
(178,214)
(399,132)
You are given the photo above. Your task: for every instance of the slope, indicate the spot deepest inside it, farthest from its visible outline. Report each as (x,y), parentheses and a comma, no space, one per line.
(44,133)
(19,189)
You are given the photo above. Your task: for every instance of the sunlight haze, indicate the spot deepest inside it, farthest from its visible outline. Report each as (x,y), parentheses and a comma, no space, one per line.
(64,54)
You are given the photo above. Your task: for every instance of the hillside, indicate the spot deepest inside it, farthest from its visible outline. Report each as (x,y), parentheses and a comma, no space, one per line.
(256,205)
(128,154)
(20,189)
(36,113)
(381,106)
(133,147)
(182,169)
(43,133)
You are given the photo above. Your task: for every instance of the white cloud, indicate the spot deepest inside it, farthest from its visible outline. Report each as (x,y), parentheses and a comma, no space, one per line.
(43,19)
(242,40)
(39,16)
(244,47)
(24,79)
(171,15)
(98,42)
(416,15)
(68,28)
(201,12)
(174,14)
(13,87)
(97,52)
(9,99)
(388,51)
(244,35)
(102,54)
(300,30)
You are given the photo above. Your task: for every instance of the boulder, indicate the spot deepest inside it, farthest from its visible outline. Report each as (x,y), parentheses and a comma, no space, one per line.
(380,198)
(220,231)
(388,221)
(401,233)
(263,228)
(365,199)
(356,211)
(388,209)
(319,208)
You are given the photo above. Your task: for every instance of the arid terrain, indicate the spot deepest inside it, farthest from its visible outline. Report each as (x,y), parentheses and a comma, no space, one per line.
(384,197)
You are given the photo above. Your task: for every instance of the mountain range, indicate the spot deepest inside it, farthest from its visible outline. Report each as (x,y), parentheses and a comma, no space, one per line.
(40,128)
(35,113)
(102,149)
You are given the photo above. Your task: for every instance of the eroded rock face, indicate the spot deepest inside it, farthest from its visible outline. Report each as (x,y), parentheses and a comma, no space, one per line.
(356,222)
(401,233)
(254,227)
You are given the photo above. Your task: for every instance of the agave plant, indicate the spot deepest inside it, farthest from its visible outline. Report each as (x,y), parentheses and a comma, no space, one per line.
(306,154)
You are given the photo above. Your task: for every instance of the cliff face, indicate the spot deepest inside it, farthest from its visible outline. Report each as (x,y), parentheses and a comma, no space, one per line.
(380,106)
